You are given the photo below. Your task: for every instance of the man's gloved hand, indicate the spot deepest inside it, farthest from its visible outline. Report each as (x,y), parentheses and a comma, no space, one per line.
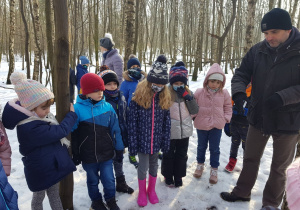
(181,92)
(274,102)
(227,129)
(119,156)
(239,99)
(76,159)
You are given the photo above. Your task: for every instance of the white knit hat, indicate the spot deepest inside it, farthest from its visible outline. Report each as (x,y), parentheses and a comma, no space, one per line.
(30,92)
(216,76)
(293,185)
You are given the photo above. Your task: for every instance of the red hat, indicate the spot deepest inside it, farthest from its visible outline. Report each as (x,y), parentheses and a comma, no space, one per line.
(91,83)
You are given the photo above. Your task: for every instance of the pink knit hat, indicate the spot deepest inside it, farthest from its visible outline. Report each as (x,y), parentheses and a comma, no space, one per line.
(293,185)
(30,92)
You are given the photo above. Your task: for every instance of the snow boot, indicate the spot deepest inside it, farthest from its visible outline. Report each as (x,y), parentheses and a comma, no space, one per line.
(178,181)
(199,170)
(142,197)
(151,190)
(213,179)
(231,197)
(122,185)
(169,182)
(112,204)
(98,205)
(133,161)
(230,166)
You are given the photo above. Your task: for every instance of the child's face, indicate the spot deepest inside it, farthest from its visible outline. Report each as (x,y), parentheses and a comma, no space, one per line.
(135,66)
(42,110)
(97,96)
(111,86)
(214,84)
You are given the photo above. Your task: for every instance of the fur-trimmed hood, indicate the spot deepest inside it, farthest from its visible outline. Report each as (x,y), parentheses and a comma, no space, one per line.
(127,78)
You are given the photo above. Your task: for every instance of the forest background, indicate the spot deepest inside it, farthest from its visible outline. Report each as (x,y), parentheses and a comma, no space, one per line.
(52,34)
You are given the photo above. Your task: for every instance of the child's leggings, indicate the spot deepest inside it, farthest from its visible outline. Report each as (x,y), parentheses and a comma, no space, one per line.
(53,196)
(147,161)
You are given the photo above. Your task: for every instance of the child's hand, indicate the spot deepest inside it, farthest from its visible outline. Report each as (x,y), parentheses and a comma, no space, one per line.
(71,107)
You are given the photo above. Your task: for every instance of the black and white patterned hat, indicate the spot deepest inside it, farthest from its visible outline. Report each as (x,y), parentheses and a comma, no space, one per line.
(159,71)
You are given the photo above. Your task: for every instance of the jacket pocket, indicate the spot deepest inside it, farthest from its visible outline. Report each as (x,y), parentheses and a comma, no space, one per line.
(288,121)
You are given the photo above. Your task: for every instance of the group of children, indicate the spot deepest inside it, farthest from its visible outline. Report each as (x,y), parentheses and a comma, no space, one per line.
(143,114)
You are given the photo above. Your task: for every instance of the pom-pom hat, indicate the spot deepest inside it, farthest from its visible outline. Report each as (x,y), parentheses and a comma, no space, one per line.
(91,83)
(133,61)
(109,76)
(107,41)
(159,71)
(84,60)
(178,72)
(30,93)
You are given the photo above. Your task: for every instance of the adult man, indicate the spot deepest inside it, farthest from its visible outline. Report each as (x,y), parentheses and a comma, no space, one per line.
(273,66)
(111,57)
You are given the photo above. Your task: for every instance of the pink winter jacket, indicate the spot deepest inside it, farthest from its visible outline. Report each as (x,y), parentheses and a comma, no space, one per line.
(215,108)
(5,150)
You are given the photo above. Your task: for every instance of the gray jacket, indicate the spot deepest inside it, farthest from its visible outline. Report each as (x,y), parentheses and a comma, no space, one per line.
(181,120)
(115,62)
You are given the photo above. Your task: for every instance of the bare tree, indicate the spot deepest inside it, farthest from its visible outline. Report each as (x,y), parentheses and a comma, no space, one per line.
(11,39)
(250,24)
(129,31)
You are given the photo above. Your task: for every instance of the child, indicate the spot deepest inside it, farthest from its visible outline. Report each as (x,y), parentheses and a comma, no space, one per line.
(292,185)
(115,97)
(82,69)
(5,150)
(149,126)
(132,77)
(183,105)
(237,129)
(215,110)
(95,137)
(46,159)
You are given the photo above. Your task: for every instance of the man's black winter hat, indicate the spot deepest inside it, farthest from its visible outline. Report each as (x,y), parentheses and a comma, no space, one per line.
(276,19)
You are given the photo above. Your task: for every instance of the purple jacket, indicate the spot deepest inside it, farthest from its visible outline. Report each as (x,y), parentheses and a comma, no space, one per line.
(115,62)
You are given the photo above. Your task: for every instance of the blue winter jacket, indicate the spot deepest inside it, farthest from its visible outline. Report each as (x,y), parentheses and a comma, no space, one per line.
(8,197)
(46,161)
(120,106)
(80,72)
(96,133)
(148,129)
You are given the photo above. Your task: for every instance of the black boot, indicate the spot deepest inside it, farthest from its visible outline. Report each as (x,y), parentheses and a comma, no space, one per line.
(122,185)
(98,205)
(112,204)
(231,197)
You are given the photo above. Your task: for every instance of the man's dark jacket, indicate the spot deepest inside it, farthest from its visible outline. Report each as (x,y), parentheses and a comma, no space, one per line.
(272,71)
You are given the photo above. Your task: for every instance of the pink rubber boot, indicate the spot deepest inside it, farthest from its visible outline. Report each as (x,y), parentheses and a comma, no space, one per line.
(151,190)
(142,198)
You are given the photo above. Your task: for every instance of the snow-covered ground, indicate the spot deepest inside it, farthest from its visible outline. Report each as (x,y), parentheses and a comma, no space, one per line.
(195,194)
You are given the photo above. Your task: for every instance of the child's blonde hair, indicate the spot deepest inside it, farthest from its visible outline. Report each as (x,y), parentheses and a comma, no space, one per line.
(144,93)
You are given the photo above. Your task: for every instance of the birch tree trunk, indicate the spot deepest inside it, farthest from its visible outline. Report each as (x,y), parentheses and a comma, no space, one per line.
(250,24)
(129,31)
(12,19)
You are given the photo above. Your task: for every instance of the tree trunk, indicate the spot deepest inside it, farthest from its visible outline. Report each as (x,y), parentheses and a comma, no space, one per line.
(90,33)
(136,26)
(96,32)
(12,19)
(34,10)
(61,66)
(250,24)
(175,35)
(129,31)
(26,39)
(271,4)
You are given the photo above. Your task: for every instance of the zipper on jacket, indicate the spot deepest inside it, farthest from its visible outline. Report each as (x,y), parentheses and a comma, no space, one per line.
(152,123)
(95,134)
(82,143)
(180,118)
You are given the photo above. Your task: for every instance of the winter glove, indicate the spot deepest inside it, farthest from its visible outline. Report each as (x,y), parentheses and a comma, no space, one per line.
(76,160)
(239,99)
(181,92)
(119,156)
(227,129)
(274,102)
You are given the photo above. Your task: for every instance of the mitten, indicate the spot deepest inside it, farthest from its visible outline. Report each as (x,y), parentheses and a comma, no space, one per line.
(227,129)
(119,156)
(274,102)
(76,159)
(181,92)
(239,99)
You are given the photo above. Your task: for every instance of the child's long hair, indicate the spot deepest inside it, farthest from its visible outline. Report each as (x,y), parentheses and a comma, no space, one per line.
(144,93)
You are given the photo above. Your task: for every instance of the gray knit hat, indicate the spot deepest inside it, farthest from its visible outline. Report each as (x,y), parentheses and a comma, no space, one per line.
(159,71)
(107,41)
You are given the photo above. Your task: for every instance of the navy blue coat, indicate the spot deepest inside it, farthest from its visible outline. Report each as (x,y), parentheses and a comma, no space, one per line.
(45,160)
(141,123)
(80,72)
(120,106)
(8,197)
